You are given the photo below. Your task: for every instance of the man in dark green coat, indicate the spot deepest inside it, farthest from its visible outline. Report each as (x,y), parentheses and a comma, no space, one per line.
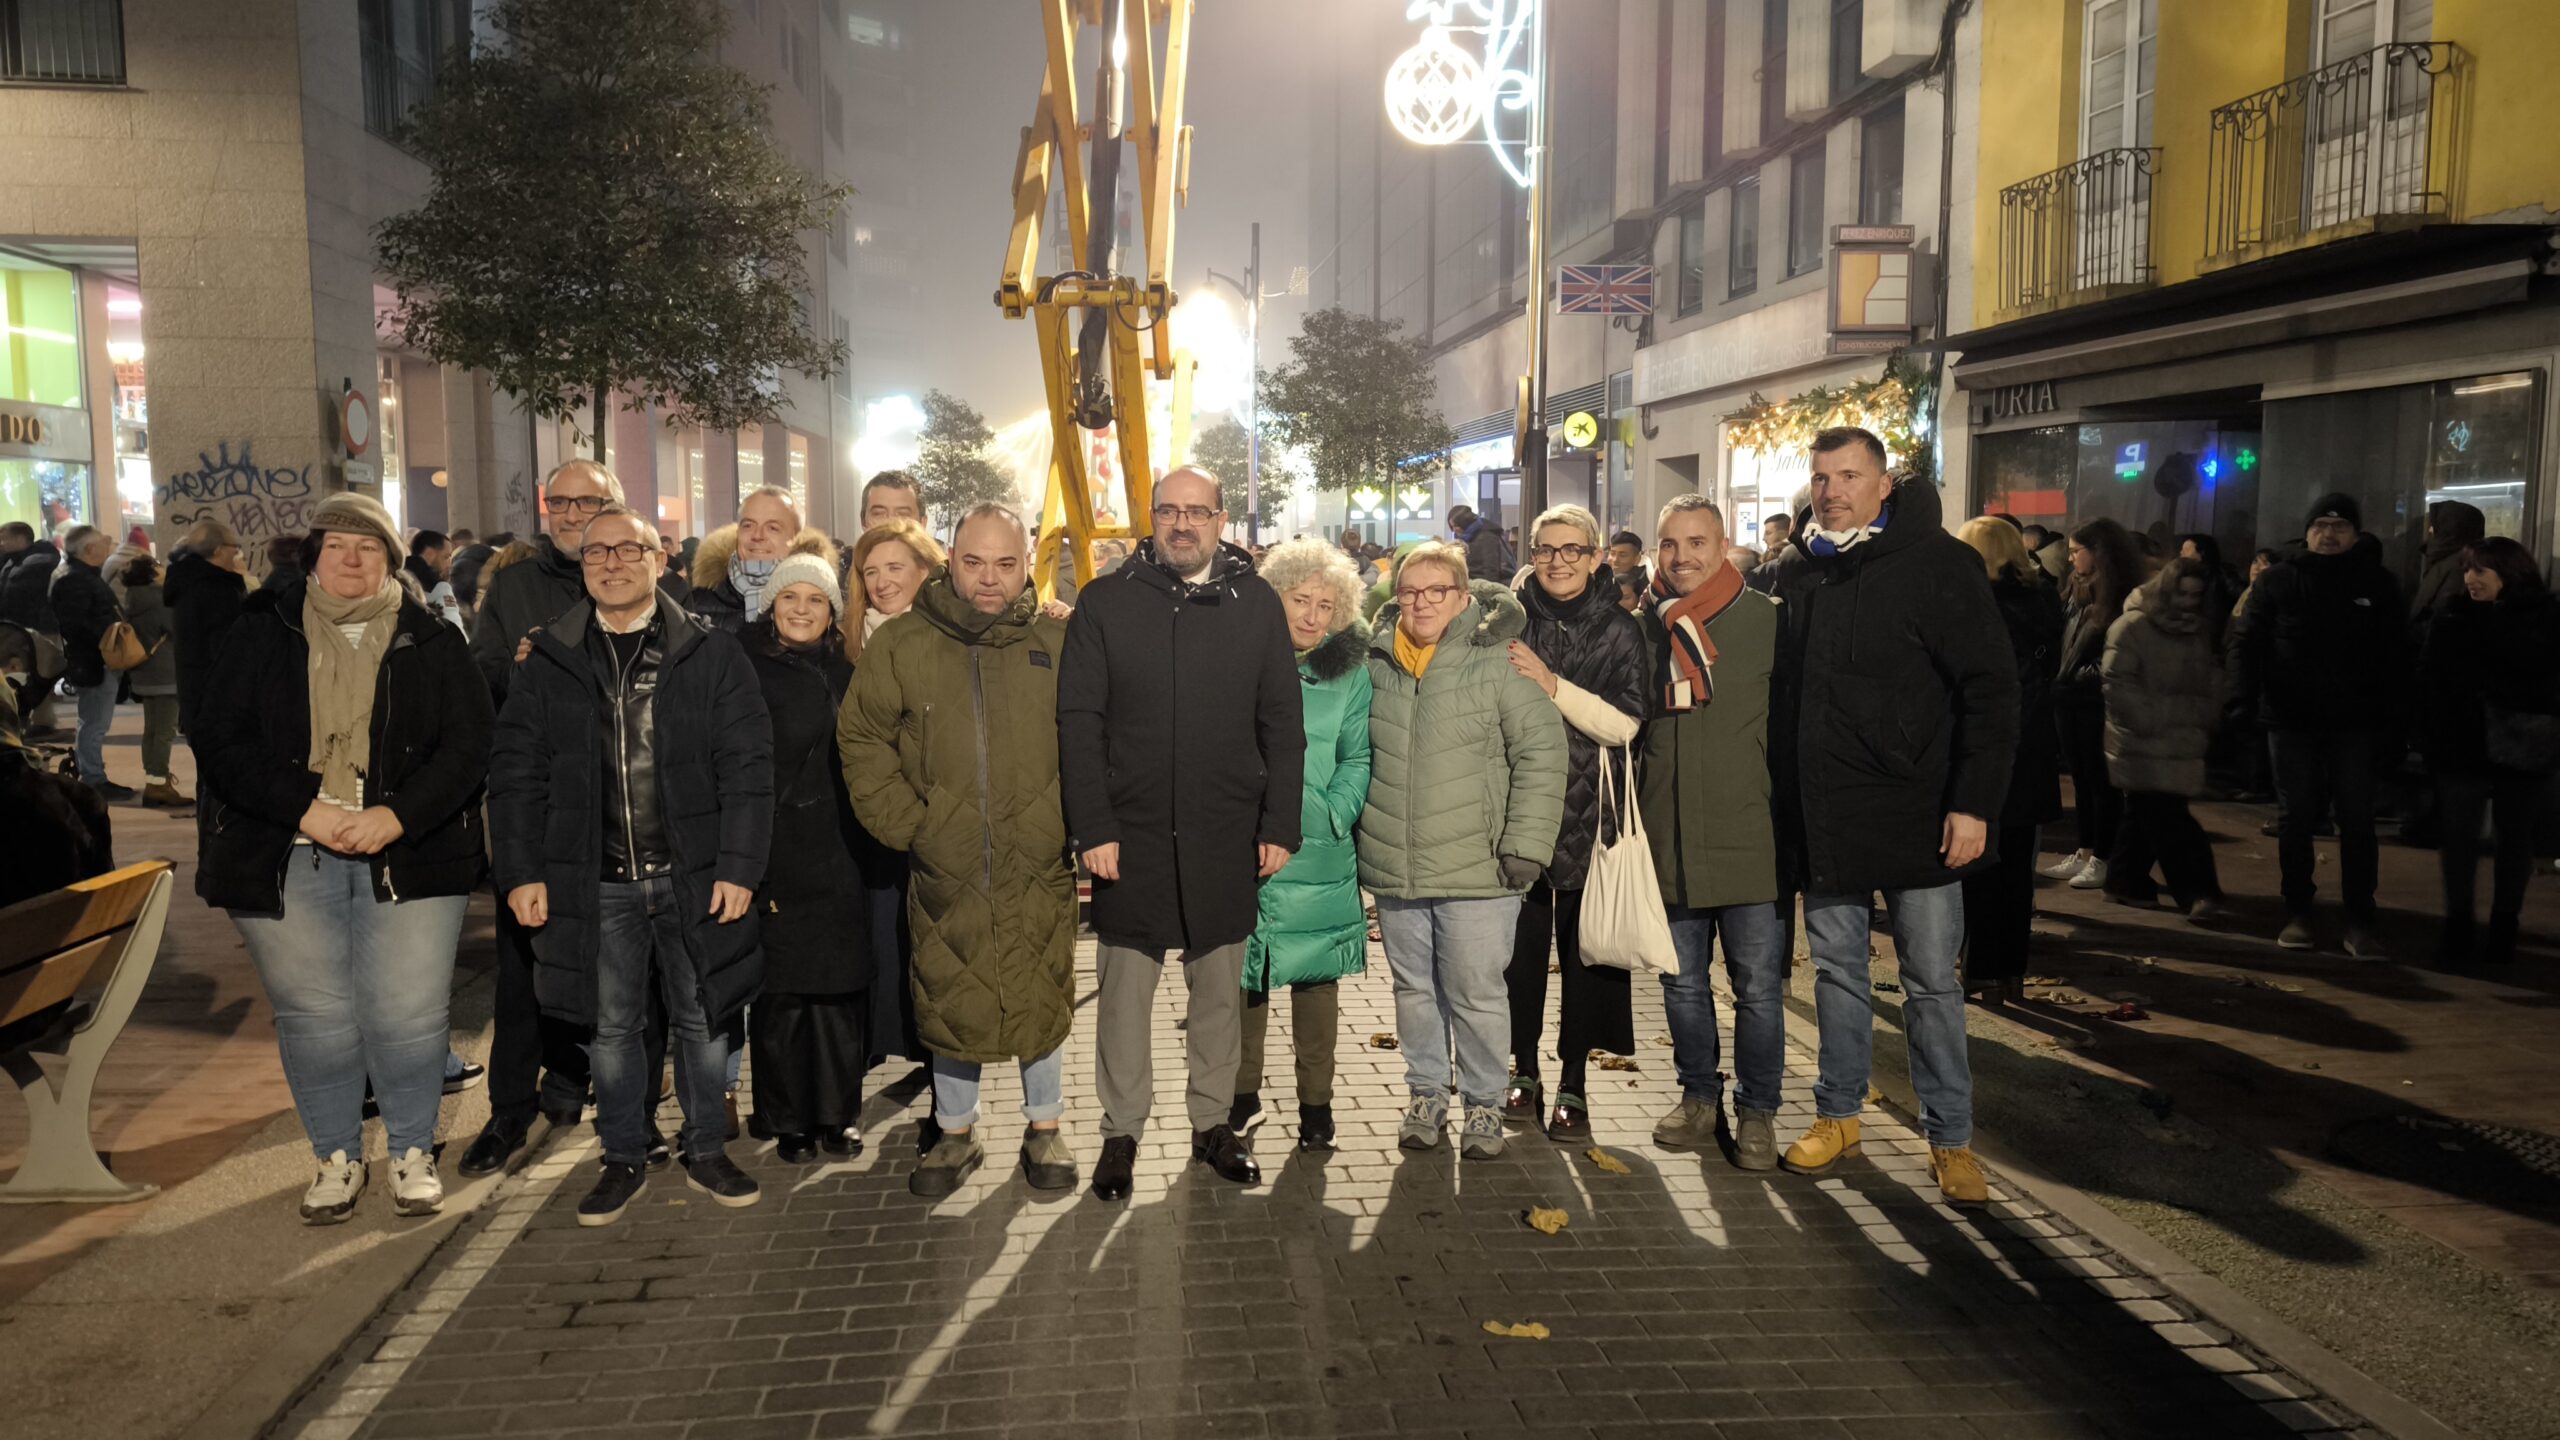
(1704,789)
(950,748)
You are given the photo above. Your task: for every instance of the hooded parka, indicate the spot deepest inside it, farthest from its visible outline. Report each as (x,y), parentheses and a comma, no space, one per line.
(949,739)
(1312,927)
(2324,645)
(1466,763)
(2164,696)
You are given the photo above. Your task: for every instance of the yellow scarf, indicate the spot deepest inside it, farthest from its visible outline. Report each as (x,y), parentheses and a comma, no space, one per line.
(1414,656)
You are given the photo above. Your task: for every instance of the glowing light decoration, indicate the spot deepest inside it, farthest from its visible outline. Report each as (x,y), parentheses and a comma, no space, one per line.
(1438,93)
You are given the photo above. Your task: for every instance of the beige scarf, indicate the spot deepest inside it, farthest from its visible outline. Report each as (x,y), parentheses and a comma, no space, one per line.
(342,682)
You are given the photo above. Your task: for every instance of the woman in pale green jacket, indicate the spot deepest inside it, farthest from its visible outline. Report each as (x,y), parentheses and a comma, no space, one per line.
(1312,930)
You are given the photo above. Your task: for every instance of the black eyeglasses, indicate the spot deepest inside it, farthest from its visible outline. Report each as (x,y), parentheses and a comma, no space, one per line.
(629,552)
(1196,514)
(1570,554)
(1427,594)
(580,504)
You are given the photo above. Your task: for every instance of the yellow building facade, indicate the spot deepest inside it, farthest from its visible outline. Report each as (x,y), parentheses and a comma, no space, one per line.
(2230,255)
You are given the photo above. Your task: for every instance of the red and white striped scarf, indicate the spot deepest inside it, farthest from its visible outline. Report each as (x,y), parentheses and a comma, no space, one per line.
(1685,619)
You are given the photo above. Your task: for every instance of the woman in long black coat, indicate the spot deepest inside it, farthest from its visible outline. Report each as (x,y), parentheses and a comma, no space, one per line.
(2000,902)
(808,1028)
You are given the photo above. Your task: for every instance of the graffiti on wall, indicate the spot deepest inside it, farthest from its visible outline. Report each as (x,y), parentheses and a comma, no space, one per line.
(518,515)
(261,502)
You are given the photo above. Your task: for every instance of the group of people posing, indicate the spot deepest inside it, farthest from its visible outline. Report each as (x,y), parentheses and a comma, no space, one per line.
(838,812)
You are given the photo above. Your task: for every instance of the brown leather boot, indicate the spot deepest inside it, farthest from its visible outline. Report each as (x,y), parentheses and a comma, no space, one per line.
(163,795)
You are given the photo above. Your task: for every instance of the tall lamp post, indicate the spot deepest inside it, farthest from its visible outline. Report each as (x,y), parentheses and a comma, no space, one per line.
(1439,93)
(1249,290)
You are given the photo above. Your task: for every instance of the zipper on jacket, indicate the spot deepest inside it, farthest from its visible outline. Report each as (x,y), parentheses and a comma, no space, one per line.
(622,755)
(384,861)
(986,793)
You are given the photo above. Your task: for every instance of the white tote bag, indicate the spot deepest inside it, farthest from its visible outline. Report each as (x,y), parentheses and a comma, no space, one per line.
(1623,922)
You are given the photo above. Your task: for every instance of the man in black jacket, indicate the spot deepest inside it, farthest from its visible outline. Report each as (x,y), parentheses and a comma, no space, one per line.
(84,607)
(207,581)
(631,811)
(1892,725)
(1178,710)
(26,572)
(2322,654)
(729,576)
(537,1064)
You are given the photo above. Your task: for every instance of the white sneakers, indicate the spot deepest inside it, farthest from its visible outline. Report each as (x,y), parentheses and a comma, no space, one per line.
(416,1188)
(332,1196)
(2092,876)
(2068,867)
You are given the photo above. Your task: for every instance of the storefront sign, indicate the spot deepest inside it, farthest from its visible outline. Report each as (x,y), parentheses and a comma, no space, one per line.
(44,432)
(2011,401)
(1877,283)
(1768,341)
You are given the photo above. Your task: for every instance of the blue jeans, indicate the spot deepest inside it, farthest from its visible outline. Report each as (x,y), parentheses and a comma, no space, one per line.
(1755,956)
(360,987)
(955,1090)
(640,931)
(1448,958)
(97,713)
(1928,932)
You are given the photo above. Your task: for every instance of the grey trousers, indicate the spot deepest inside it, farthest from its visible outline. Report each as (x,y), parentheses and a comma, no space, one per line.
(1213,1035)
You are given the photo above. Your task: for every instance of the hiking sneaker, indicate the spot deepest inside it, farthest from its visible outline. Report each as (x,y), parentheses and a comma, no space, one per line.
(1755,1141)
(719,1177)
(1425,1116)
(161,795)
(1482,1138)
(1047,1163)
(1959,1176)
(2296,934)
(954,1159)
(2066,867)
(416,1188)
(616,1188)
(2092,876)
(332,1196)
(1691,1127)
(1827,1144)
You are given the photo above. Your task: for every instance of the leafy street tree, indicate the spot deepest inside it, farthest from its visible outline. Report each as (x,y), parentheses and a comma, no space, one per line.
(607,214)
(952,469)
(1222,451)
(1359,398)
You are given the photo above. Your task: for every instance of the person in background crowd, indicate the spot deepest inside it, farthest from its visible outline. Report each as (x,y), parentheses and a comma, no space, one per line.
(2052,552)
(1310,930)
(2253,768)
(1490,557)
(678,581)
(993,901)
(1742,558)
(2489,724)
(54,831)
(1626,557)
(1589,658)
(2452,529)
(206,583)
(470,567)
(26,574)
(731,569)
(892,495)
(538,1064)
(1775,532)
(630,815)
(1186,633)
(155,681)
(463,539)
(2323,658)
(1466,795)
(1631,594)
(284,562)
(2164,684)
(809,1024)
(891,564)
(2000,901)
(1894,727)
(84,607)
(2219,586)
(1711,646)
(2105,568)
(430,563)
(341,746)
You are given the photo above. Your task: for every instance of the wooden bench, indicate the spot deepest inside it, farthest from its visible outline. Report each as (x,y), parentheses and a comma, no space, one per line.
(72,964)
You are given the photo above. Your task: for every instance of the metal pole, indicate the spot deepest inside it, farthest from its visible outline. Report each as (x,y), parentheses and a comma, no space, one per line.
(1253,390)
(1533,459)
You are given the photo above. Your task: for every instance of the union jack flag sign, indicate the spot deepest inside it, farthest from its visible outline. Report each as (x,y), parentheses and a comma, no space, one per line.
(1604,290)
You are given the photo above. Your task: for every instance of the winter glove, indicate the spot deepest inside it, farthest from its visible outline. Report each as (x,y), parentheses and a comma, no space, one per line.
(1519,874)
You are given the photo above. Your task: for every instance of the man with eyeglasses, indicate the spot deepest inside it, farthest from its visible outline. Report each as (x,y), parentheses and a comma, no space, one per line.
(630,811)
(1181,744)
(537,1066)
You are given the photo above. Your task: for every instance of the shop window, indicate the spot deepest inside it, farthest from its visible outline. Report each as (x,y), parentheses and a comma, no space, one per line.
(403,44)
(2476,439)
(1804,211)
(1742,247)
(1848,38)
(1693,258)
(1880,167)
(1773,69)
(40,308)
(2160,479)
(63,42)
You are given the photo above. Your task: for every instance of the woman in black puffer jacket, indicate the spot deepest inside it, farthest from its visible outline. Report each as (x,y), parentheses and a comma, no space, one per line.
(2489,723)
(2105,567)
(2000,902)
(1589,656)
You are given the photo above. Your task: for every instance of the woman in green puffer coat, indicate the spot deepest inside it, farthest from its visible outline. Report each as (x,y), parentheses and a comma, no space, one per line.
(1312,931)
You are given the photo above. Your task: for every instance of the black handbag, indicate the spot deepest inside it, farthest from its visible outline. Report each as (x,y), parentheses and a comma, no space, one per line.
(2526,740)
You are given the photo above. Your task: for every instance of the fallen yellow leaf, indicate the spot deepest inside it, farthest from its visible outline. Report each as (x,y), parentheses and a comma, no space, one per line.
(1607,1161)
(1382,1041)
(1613,1062)
(1544,1220)
(1532,1330)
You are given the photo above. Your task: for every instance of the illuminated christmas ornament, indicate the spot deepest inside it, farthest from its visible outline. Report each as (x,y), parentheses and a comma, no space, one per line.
(1439,93)
(1435,91)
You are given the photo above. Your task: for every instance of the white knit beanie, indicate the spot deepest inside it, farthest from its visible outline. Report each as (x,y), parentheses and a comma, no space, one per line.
(805,569)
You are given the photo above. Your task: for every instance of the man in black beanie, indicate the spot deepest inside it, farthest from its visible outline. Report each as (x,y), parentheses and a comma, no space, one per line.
(2323,655)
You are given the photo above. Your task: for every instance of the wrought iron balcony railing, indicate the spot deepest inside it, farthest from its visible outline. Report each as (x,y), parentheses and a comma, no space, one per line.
(2077,233)
(2366,139)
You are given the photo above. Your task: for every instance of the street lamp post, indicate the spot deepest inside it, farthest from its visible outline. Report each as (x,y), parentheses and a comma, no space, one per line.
(1533,440)
(1249,290)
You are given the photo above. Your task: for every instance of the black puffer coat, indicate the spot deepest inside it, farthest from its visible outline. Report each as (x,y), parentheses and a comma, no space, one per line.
(204,601)
(523,597)
(1178,710)
(2033,615)
(25,580)
(252,739)
(714,768)
(817,913)
(2324,644)
(1589,641)
(2505,653)
(1895,705)
(84,607)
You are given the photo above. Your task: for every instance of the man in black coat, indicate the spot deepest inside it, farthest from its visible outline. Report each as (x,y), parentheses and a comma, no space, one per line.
(631,811)
(207,581)
(26,573)
(1181,745)
(1891,729)
(84,608)
(2323,655)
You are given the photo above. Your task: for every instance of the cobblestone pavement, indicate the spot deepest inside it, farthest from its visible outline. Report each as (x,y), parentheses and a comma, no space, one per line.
(1347,1295)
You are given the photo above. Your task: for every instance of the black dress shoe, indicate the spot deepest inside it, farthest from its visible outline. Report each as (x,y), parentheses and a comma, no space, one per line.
(796,1149)
(1315,1128)
(1224,1152)
(660,1156)
(1242,1112)
(840,1142)
(1111,1176)
(497,1144)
